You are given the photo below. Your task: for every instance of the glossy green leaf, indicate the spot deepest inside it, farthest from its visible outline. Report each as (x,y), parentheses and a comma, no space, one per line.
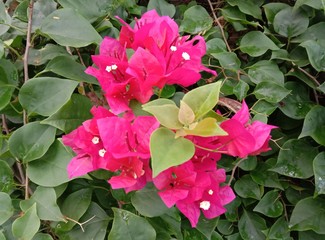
(250,7)
(95,224)
(316,53)
(256,43)
(26,226)
(166,151)
(148,203)
(196,19)
(4,18)
(314,32)
(270,92)
(167,91)
(265,71)
(280,230)
(66,67)
(290,23)
(68,28)
(128,226)
(319,172)
(250,226)
(50,170)
(228,60)
(91,12)
(6,177)
(74,206)
(309,214)
(46,95)
(270,205)
(45,199)
(8,81)
(71,115)
(296,159)
(31,141)
(50,51)
(6,208)
(314,125)
(203,99)
(245,187)
(297,104)
(240,90)
(162,7)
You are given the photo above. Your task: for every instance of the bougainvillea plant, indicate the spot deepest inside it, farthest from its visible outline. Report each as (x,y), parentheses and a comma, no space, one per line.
(178,147)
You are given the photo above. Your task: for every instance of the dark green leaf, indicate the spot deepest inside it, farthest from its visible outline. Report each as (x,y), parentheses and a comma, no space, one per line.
(216,45)
(314,125)
(240,90)
(310,235)
(251,225)
(271,9)
(6,208)
(71,115)
(297,104)
(228,60)
(162,7)
(290,23)
(256,43)
(128,226)
(46,95)
(41,9)
(232,210)
(249,163)
(8,81)
(50,170)
(31,141)
(296,159)
(66,67)
(245,187)
(309,214)
(319,172)
(166,151)
(270,205)
(265,71)
(225,227)
(316,53)
(26,226)
(167,92)
(68,28)
(280,230)
(250,7)
(148,203)
(45,199)
(196,19)
(207,226)
(6,177)
(270,92)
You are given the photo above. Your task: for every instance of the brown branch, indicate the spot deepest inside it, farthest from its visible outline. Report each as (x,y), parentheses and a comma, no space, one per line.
(4,124)
(220,26)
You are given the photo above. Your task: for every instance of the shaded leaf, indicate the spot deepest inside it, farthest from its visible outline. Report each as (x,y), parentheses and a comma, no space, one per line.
(207,226)
(270,205)
(265,71)
(245,187)
(6,177)
(316,53)
(250,7)
(270,92)
(280,230)
(319,172)
(6,208)
(162,7)
(250,226)
(8,81)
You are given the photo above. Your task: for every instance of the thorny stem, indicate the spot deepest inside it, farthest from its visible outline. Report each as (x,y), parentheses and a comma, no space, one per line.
(220,26)
(234,170)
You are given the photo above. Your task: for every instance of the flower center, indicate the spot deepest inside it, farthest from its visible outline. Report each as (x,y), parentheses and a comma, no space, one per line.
(210,192)
(110,68)
(186,56)
(95,140)
(173,48)
(102,152)
(205,205)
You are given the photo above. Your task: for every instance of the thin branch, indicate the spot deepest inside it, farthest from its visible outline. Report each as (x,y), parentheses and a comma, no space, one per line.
(220,26)
(4,124)
(308,75)
(234,170)
(28,45)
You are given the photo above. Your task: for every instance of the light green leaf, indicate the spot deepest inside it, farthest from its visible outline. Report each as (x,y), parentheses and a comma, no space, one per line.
(270,205)
(316,53)
(74,206)
(185,115)
(128,226)
(250,226)
(26,226)
(265,71)
(245,187)
(66,67)
(6,177)
(314,125)
(46,95)
(45,199)
(308,214)
(148,203)
(203,99)
(296,159)
(6,208)
(71,115)
(162,7)
(51,169)
(31,141)
(166,151)
(270,92)
(290,23)
(207,127)
(319,173)
(196,19)
(297,104)
(256,43)
(68,28)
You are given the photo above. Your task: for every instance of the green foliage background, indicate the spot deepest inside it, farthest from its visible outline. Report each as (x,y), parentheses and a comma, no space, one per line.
(270,53)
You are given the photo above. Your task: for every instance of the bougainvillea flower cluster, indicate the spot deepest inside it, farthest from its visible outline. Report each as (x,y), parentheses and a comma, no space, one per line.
(118,141)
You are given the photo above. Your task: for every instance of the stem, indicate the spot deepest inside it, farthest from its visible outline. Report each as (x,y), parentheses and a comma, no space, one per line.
(4,124)
(234,169)
(13,50)
(308,74)
(28,45)
(220,26)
